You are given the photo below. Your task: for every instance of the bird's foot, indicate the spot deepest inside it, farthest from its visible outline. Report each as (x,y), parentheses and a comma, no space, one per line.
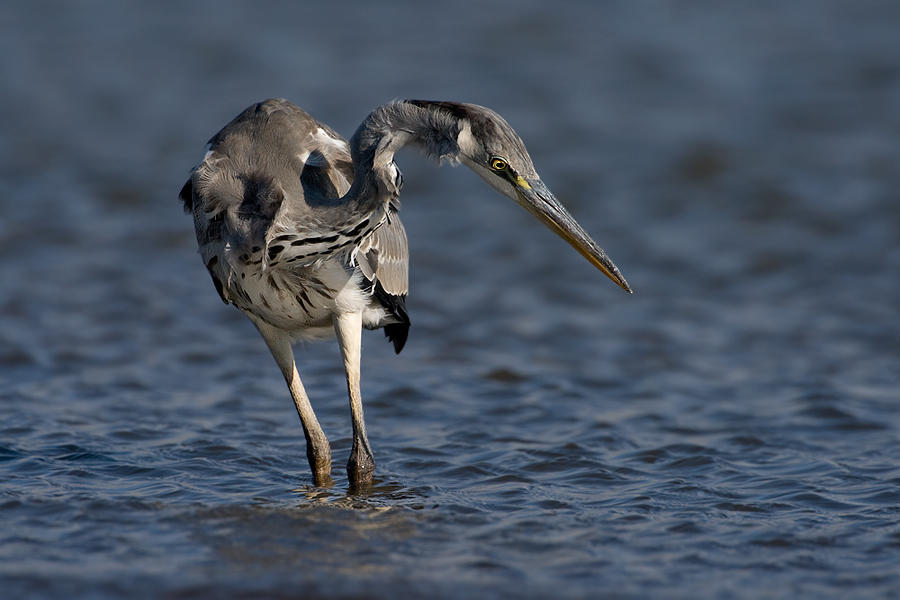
(360,468)
(320,465)
(323,480)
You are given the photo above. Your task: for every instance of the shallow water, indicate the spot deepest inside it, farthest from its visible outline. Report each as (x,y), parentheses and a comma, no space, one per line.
(728,431)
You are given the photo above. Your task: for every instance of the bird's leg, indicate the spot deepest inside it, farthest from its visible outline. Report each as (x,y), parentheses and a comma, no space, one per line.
(348,327)
(317,449)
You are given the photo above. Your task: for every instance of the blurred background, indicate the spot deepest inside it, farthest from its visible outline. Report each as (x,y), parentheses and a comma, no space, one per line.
(740,163)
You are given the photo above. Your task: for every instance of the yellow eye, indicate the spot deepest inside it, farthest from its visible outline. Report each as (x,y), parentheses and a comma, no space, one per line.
(498,164)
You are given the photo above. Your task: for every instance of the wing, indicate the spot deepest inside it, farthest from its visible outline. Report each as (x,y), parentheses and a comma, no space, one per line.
(384,256)
(271,172)
(267,195)
(383,259)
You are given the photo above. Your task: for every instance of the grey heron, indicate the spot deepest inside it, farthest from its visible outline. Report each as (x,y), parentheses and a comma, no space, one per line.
(300,229)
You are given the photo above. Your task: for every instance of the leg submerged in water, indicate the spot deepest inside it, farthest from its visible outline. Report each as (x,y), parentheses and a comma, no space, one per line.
(348,327)
(318,451)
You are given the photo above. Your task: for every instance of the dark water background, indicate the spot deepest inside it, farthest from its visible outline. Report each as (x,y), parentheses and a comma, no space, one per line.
(728,431)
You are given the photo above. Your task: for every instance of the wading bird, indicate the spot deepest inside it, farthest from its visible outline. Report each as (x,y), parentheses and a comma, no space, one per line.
(299,229)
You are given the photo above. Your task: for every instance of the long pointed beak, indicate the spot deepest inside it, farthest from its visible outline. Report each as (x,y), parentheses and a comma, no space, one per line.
(540,202)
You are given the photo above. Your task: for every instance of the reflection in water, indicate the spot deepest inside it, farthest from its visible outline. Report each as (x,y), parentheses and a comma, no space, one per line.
(380,496)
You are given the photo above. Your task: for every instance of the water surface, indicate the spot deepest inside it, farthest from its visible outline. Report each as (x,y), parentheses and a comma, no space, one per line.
(730,430)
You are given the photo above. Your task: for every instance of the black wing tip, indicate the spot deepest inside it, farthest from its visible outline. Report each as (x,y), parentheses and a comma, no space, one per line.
(397,334)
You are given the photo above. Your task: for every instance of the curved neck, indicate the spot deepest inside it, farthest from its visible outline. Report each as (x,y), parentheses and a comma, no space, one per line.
(386,130)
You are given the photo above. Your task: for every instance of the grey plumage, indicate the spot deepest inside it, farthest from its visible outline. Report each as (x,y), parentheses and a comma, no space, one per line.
(267,206)
(301,230)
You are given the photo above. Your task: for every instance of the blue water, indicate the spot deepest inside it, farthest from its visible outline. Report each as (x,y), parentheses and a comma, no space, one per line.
(730,430)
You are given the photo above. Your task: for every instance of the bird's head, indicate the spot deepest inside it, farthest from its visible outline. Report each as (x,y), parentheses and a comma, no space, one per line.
(483,141)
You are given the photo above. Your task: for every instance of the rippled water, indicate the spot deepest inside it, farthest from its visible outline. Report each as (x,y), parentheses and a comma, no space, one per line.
(729,431)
